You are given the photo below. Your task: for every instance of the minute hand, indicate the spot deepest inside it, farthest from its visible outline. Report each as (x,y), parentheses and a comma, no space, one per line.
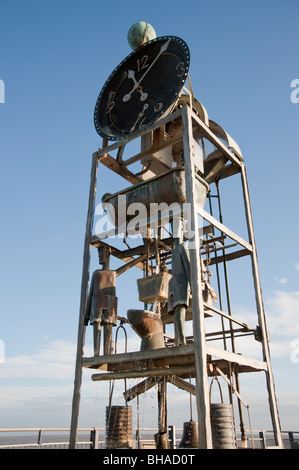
(163,49)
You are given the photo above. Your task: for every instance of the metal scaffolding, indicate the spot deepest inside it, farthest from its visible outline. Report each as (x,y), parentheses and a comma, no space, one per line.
(196,358)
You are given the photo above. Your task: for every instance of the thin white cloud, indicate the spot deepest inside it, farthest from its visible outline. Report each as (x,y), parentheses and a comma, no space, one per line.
(32,396)
(281,280)
(283,313)
(53,360)
(296,266)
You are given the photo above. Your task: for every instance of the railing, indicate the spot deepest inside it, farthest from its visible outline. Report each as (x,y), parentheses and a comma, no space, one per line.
(34,438)
(94,438)
(290,439)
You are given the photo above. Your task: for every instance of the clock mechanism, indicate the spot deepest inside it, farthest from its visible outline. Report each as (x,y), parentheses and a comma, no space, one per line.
(142,88)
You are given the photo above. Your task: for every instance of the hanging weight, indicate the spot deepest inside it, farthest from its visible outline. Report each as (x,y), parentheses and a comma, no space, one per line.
(119,429)
(222,423)
(190,435)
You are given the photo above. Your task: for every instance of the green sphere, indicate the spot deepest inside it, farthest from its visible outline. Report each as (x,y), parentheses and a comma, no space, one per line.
(139,33)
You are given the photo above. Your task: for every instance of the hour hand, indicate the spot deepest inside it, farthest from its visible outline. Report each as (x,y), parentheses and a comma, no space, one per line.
(131,74)
(127,97)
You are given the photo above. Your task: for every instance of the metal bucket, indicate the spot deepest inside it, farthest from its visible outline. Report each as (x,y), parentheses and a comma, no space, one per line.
(222,423)
(149,327)
(153,288)
(168,188)
(119,429)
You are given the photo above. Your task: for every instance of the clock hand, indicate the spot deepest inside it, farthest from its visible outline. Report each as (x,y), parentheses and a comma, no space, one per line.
(163,48)
(131,74)
(139,116)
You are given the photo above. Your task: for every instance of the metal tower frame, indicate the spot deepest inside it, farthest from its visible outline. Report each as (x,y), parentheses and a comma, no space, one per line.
(198,356)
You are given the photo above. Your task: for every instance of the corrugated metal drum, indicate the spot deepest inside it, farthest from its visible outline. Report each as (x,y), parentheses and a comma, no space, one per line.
(119,429)
(223,426)
(222,422)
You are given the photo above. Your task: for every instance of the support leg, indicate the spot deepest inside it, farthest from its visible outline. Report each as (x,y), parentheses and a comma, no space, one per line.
(202,384)
(261,315)
(83,301)
(179,325)
(108,348)
(97,337)
(162,437)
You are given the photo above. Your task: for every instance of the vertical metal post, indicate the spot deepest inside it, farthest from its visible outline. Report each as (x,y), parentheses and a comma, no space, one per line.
(138,424)
(96,438)
(218,277)
(162,405)
(231,372)
(261,314)
(291,436)
(202,384)
(262,439)
(84,294)
(172,437)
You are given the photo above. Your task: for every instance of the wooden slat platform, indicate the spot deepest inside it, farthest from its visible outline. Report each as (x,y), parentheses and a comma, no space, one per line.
(177,360)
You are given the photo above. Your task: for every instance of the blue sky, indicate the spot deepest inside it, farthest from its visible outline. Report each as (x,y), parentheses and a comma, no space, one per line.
(55,57)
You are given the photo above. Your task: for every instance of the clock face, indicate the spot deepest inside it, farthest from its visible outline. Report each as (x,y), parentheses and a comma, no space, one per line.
(142,88)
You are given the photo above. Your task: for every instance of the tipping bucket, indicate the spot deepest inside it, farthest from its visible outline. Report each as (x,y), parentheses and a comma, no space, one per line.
(149,327)
(168,187)
(152,288)
(119,429)
(222,423)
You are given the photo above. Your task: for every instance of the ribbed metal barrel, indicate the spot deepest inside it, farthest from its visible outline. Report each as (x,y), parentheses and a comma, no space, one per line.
(119,427)
(223,426)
